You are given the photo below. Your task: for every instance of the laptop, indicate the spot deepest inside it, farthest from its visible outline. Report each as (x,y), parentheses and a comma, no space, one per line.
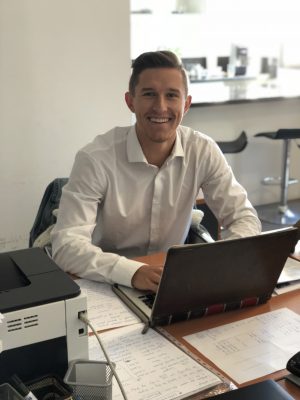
(205,278)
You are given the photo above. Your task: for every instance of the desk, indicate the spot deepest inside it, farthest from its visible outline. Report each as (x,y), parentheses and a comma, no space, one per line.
(290,300)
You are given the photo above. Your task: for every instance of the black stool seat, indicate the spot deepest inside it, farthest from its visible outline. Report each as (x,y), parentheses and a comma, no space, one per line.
(281,213)
(234,146)
(282,134)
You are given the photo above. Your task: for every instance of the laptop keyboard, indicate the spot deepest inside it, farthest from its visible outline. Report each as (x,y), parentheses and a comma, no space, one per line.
(148,299)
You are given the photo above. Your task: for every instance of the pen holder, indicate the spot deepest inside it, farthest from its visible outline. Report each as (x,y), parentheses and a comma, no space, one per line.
(90,380)
(50,387)
(7,392)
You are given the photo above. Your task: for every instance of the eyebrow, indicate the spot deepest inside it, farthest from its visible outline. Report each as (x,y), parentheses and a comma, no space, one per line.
(169,90)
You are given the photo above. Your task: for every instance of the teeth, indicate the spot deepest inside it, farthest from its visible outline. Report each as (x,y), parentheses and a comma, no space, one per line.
(159,120)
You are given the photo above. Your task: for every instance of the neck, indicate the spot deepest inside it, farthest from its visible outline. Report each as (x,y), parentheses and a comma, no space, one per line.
(156,150)
(156,153)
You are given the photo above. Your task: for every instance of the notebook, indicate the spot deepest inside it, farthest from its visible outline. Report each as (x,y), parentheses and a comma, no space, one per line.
(259,391)
(205,278)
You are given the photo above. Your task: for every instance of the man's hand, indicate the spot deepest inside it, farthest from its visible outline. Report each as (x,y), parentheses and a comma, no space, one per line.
(147,277)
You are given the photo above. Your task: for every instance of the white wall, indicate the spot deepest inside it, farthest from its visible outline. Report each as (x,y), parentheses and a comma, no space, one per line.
(64,67)
(262,157)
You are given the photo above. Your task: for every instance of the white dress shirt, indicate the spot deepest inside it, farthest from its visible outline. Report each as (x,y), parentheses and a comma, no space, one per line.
(117,206)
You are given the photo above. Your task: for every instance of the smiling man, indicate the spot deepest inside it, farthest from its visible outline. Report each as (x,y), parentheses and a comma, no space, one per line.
(131,190)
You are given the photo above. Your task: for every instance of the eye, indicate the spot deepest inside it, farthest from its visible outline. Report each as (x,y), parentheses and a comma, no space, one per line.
(149,94)
(172,95)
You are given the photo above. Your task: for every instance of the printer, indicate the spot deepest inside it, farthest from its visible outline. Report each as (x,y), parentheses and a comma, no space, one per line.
(40,332)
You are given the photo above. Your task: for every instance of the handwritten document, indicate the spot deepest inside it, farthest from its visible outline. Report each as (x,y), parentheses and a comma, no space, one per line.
(105,309)
(253,347)
(149,366)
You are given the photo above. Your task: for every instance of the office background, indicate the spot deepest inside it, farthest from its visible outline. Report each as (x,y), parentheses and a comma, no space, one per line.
(64,68)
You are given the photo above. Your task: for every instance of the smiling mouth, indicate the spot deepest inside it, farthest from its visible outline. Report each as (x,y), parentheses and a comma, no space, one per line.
(159,120)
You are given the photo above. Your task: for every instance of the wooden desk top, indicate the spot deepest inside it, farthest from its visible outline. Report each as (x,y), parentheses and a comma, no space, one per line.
(178,330)
(290,300)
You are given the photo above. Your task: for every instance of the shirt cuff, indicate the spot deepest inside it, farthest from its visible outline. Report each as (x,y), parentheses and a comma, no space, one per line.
(124,270)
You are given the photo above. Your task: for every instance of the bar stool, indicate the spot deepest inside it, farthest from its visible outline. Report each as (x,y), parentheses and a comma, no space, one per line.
(281,213)
(234,146)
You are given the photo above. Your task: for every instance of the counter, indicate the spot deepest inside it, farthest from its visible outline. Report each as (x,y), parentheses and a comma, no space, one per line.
(246,89)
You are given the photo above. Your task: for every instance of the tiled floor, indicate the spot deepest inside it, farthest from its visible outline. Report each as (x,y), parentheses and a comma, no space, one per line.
(266,222)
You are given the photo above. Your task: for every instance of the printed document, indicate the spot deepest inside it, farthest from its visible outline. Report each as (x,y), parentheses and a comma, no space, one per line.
(253,347)
(150,366)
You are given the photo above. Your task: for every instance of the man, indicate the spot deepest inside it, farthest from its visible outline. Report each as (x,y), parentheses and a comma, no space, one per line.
(131,190)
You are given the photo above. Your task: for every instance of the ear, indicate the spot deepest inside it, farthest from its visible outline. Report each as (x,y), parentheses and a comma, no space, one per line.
(129,101)
(187,104)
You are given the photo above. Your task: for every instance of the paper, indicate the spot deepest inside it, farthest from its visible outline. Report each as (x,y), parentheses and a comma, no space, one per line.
(253,347)
(289,278)
(291,271)
(288,287)
(105,309)
(149,366)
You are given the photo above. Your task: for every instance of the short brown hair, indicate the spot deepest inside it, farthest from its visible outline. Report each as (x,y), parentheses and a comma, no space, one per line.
(156,59)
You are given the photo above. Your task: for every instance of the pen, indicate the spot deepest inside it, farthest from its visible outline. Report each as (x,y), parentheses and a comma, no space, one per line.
(22,388)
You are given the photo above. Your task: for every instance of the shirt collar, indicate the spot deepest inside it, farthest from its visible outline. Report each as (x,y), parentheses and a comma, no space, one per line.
(135,152)
(177,150)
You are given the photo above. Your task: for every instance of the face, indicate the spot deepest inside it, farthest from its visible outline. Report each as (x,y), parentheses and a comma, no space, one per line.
(159,103)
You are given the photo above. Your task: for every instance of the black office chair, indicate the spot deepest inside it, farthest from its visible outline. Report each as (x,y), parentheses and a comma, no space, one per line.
(281,213)
(234,146)
(46,217)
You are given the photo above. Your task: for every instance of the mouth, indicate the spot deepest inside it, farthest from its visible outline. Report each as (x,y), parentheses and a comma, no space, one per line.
(159,120)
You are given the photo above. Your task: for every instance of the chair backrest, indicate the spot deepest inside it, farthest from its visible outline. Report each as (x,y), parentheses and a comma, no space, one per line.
(50,202)
(209,220)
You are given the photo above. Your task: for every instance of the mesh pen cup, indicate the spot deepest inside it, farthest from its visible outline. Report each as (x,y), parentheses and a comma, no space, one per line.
(7,392)
(90,380)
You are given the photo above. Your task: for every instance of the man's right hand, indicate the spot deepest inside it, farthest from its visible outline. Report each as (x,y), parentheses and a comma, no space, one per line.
(147,277)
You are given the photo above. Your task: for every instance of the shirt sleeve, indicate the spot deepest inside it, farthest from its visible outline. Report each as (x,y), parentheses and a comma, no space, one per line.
(71,237)
(227,199)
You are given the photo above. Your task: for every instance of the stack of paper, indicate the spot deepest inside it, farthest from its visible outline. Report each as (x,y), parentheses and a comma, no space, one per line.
(253,347)
(150,366)
(105,309)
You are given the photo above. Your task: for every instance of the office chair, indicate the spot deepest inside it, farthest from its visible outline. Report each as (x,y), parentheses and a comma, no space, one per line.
(46,217)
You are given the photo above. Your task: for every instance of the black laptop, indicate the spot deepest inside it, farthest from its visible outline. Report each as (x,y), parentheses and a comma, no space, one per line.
(206,278)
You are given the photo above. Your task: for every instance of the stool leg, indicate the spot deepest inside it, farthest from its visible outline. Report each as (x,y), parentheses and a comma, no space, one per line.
(281,214)
(285,175)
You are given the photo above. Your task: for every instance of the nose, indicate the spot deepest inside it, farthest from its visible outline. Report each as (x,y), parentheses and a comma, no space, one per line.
(160,104)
